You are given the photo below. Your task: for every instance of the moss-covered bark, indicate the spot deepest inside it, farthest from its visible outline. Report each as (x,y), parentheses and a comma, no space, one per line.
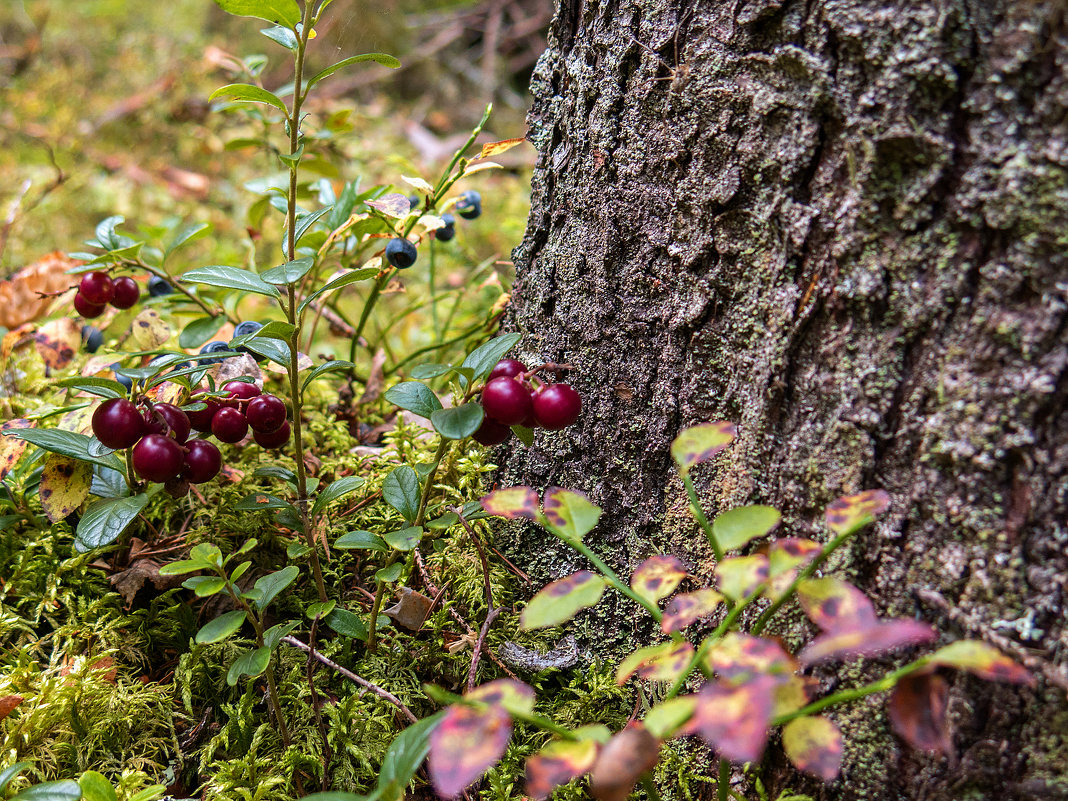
(841,224)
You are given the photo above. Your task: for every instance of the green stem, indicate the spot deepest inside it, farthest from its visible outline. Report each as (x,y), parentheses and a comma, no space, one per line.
(429,348)
(698,512)
(723,784)
(438,333)
(608,573)
(650,787)
(177,284)
(803,574)
(887,682)
(544,724)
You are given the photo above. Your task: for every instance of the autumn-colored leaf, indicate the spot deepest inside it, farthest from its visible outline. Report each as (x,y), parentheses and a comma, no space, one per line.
(917,712)
(512,696)
(688,608)
(835,605)
(496,148)
(736,527)
(877,638)
(664,662)
(25,297)
(558,763)
(667,717)
(148,330)
(983,660)
(8,704)
(849,513)
(740,576)
(466,743)
(622,761)
(561,600)
(512,503)
(738,658)
(700,443)
(734,720)
(657,577)
(12,448)
(393,204)
(65,485)
(792,694)
(814,745)
(785,556)
(57,342)
(570,513)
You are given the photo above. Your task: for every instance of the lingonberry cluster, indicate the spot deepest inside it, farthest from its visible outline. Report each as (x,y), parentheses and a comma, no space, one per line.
(98,290)
(513,397)
(243,407)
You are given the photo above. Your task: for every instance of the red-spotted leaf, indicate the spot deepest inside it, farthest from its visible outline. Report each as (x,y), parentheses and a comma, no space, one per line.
(734,720)
(512,503)
(668,717)
(657,577)
(513,696)
(688,608)
(12,448)
(981,659)
(917,711)
(814,745)
(58,341)
(735,527)
(878,638)
(467,742)
(622,761)
(738,658)
(835,605)
(700,443)
(664,662)
(740,576)
(852,512)
(785,556)
(793,694)
(570,513)
(64,485)
(558,763)
(561,600)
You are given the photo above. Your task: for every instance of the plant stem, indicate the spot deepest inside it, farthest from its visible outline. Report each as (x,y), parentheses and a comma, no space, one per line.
(211,312)
(803,574)
(609,574)
(650,788)
(723,784)
(438,333)
(699,513)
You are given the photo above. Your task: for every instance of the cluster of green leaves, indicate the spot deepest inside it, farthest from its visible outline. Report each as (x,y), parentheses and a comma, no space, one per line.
(747,684)
(90,786)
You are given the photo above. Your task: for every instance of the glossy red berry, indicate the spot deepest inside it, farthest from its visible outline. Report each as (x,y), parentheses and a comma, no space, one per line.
(117,423)
(557,406)
(491,432)
(158,458)
(241,390)
(265,413)
(86,309)
(510,368)
(274,439)
(200,420)
(229,425)
(126,293)
(506,400)
(96,288)
(177,422)
(202,461)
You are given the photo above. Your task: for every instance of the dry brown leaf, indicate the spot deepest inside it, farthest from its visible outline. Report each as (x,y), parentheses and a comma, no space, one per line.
(21,298)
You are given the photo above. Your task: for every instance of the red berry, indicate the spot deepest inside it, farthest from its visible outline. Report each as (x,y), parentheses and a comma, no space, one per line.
(158,458)
(126,293)
(506,400)
(117,423)
(86,309)
(491,432)
(229,425)
(201,420)
(97,288)
(274,439)
(174,419)
(202,461)
(557,406)
(241,390)
(265,413)
(510,368)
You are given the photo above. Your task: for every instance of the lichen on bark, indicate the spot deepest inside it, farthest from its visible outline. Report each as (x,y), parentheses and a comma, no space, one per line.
(841,224)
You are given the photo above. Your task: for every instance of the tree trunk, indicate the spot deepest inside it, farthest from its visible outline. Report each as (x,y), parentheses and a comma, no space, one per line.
(841,224)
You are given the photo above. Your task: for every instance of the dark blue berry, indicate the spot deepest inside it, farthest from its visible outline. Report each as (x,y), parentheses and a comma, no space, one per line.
(157,287)
(400,253)
(92,337)
(413,201)
(448,231)
(246,328)
(124,380)
(470,205)
(213,347)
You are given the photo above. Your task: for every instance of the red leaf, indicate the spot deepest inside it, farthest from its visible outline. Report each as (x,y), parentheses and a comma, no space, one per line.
(734,720)
(738,658)
(688,608)
(657,577)
(814,745)
(622,761)
(512,502)
(835,605)
(982,660)
(881,636)
(466,743)
(8,704)
(917,710)
(558,763)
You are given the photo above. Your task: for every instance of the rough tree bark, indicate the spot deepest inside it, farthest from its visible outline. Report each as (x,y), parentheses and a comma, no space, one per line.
(841,224)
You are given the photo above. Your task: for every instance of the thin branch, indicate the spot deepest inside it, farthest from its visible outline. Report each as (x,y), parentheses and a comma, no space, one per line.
(348,674)
(491,610)
(328,754)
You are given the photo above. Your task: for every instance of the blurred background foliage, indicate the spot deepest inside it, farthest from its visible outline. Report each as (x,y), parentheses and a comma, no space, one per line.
(105,112)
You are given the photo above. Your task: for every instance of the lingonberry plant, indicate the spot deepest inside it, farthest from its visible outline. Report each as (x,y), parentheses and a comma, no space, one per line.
(732,686)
